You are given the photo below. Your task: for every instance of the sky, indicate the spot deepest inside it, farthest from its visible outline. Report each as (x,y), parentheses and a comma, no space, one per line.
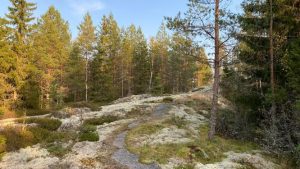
(148,14)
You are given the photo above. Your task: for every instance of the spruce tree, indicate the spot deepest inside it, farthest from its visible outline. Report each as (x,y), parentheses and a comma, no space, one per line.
(104,68)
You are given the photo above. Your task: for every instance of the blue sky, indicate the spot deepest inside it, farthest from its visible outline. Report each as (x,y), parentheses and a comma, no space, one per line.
(145,13)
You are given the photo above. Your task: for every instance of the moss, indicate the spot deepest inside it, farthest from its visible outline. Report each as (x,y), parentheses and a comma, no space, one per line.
(200,150)
(45,123)
(100,120)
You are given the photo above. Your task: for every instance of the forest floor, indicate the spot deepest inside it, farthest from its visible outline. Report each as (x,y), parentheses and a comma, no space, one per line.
(139,132)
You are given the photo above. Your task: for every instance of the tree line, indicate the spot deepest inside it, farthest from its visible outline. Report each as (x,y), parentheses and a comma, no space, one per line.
(42,67)
(256,63)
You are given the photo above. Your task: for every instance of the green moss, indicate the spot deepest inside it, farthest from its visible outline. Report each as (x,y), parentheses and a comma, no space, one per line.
(200,150)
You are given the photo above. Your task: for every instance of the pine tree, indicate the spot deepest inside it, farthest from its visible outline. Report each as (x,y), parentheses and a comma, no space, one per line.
(182,63)
(159,55)
(198,21)
(254,91)
(127,50)
(141,64)
(52,48)
(105,69)
(86,42)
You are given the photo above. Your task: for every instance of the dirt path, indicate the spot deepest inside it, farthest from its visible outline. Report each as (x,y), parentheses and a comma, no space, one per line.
(128,159)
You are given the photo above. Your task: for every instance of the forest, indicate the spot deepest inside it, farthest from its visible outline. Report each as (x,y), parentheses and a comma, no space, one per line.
(249,63)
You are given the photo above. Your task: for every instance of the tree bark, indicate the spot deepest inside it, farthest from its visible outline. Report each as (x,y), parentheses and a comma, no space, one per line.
(272,76)
(213,116)
(86,77)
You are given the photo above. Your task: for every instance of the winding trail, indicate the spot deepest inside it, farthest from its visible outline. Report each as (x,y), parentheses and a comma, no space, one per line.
(128,159)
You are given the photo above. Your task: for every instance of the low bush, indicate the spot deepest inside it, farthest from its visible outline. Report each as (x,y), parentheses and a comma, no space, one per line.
(88,128)
(88,136)
(100,120)
(33,112)
(45,123)
(91,105)
(88,133)
(168,100)
(2,145)
(17,138)
(58,150)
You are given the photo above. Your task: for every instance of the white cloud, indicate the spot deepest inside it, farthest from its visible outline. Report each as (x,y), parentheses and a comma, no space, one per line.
(83,6)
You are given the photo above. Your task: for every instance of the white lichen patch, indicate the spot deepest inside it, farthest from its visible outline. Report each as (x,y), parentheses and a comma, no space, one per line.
(27,158)
(240,160)
(171,135)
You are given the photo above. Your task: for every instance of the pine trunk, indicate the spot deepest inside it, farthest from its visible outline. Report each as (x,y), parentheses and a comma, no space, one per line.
(86,78)
(213,116)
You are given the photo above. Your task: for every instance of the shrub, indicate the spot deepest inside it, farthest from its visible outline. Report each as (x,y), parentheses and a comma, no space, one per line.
(45,123)
(42,135)
(296,156)
(88,136)
(17,138)
(88,133)
(36,112)
(100,120)
(1,111)
(58,150)
(168,100)
(92,106)
(88,128)
(2,145)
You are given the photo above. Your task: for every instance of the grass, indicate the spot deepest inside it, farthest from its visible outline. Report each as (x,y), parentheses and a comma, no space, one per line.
(45,123)
(177,121)
(200,150)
